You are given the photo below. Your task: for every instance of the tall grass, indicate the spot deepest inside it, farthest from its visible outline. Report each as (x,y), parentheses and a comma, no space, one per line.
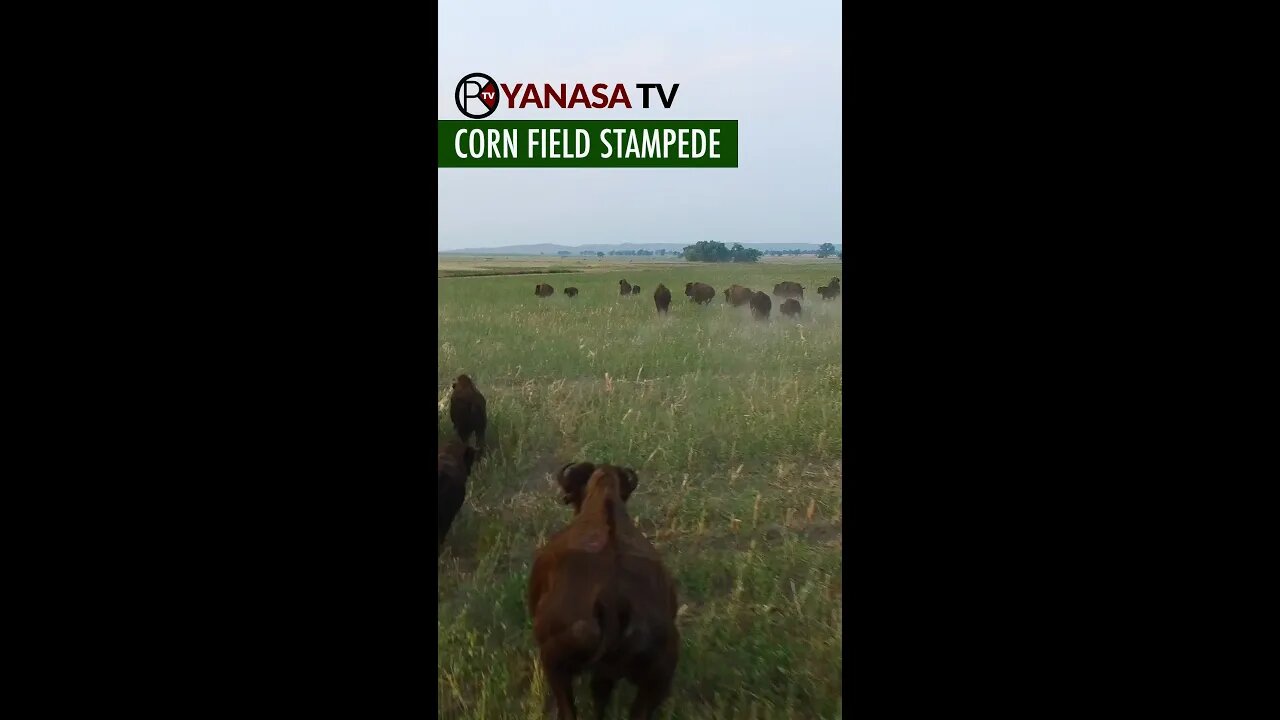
(734,428)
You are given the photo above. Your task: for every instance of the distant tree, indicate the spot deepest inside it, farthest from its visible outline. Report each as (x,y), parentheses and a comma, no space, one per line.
(599,254)
(826,250)
(706,251)
(662,251)
(742,254)
(712,251)
(563,252)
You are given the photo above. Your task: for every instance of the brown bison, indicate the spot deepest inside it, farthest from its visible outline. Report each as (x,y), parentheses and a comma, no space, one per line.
(760,306)
(544,290)
(635,289)
(624,287)
(662,298)
(791,306)
(835,283)
(788,290)
(453,464)
(738,295)
(701,293)
(467,410)
(571,292)
(601,600)
(828,293)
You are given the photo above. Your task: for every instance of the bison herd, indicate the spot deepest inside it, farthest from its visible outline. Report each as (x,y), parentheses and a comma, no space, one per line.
(737,295)
(601,600)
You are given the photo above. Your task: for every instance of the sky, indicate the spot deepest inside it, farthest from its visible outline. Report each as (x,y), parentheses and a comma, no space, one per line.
(775,68)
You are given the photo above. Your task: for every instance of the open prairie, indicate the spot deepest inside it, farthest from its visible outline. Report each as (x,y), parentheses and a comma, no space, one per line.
(734,427)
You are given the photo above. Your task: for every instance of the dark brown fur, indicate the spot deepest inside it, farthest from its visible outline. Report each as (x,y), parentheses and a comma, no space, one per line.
(835,283)
(624,287)
(828,293)
(544,290)
(453,465)
(467,410)
(789,289)
(791,306)
(635,289)
(601,600)
(760,306)
(571,292)
(738,295)
(662,298)
(701,293)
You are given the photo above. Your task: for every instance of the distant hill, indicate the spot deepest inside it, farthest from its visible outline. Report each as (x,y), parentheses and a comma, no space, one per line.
(552,248)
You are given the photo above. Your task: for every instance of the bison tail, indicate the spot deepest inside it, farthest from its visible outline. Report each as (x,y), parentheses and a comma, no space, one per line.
(610,625)
(593,637)
(588,640)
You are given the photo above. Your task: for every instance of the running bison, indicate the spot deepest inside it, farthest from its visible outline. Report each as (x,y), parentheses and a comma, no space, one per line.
(700,293)
(829,293)
(571,292)
(635,289)
(601,599)
(544,290)
(737,295)
(624,287)
(760,306)
(662,298)
(467,410)
(835,283)
(453,464)
(791,307)
(788,290)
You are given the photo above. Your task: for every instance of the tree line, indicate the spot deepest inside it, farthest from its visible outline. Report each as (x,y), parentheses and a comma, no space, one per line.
(712,251)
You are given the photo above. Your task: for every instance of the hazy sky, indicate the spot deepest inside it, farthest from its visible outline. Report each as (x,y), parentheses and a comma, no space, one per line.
(774,68)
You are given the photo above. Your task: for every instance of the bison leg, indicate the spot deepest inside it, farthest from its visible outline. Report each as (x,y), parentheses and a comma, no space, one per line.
(561,684)
(601,691)
(653,690)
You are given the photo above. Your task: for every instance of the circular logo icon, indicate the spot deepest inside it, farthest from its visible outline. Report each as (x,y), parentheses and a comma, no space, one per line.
(476,96)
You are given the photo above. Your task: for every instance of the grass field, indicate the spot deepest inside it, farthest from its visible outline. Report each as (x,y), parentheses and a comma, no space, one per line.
(734,428)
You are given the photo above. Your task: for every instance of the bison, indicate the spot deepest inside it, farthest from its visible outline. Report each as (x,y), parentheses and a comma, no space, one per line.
(453,464)
(467,410)
(835,283)
(571,292)
(829,293)
(543,290)
(601,600)
(662,298)
(635,289)
(738,295)
(760,306)
(624,287)
(701,293)
(788,290)
(791,306)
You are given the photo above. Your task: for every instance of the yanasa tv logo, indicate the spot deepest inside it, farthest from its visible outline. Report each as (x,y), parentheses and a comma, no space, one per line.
(476,92)
(477,95)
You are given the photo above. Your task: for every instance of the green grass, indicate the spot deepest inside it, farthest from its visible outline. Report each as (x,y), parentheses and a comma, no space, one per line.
(734,428)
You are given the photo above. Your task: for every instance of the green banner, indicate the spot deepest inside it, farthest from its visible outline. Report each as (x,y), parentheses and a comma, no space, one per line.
(588,143)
